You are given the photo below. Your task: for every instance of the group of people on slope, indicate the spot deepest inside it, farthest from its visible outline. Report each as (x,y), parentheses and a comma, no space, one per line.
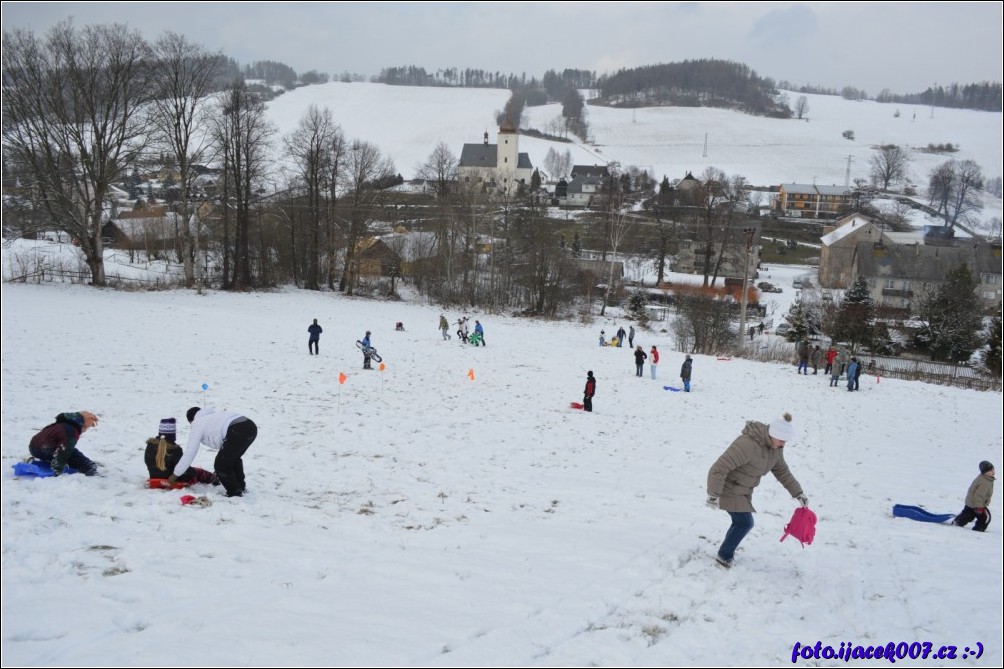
(618,338)
(463,331)
(228,432)
(837,363)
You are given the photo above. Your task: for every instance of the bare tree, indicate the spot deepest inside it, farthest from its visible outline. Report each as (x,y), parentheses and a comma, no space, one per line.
(185,74)
(310,146)
(801,106)
(441,169)
(953,189)
(72,120)
(242,134)
(364,167)
(889,166)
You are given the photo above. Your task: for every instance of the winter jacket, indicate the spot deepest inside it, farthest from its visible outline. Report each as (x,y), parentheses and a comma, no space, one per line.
(315,332)
(590,386)
(843,357)
(852,370)
(739,469)
(640,357)
(655,356)
(478,329)
(980,492)
(209,428)
(816,357)
(831,355)
(443,323)
(685,369)
(58,441)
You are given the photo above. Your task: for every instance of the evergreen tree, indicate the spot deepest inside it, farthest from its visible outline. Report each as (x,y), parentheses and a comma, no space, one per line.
(952,320)
(992,352)
(535,180)
(664,186)
(856,314)
(800,318)
(636,307)
(576,245)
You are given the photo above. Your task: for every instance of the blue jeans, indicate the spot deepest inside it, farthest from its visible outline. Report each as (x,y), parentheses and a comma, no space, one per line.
(652,367)
(742,523)
(686,385)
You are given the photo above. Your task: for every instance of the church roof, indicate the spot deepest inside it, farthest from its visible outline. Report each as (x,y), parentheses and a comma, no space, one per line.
(524,161)
(480,155)
(507,125)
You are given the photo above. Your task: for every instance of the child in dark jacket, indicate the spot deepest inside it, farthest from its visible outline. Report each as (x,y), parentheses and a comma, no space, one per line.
(56,444)
(978,500)
(163,453)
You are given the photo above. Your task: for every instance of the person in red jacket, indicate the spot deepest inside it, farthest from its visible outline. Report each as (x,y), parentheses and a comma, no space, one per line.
(831,355)
(587,395)
(653,360)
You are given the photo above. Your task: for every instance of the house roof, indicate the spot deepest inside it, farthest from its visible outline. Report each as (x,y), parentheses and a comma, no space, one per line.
(845,227)
(524,162)
(831,190)
(590,170)
(916,262)
(805,189)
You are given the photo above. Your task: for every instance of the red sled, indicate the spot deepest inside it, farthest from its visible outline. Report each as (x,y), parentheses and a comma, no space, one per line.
(157,483)
(577,405)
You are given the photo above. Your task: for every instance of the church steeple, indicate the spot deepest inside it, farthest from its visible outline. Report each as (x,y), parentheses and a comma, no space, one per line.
(486,138)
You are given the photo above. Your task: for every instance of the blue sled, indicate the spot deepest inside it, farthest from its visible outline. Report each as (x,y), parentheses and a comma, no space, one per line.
(37,469)
(917,513)
(672,389)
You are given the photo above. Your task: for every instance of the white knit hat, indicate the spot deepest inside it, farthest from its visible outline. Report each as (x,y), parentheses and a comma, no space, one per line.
(781,428)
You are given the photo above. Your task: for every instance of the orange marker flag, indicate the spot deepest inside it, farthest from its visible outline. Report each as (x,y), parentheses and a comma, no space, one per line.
(342,378)
(383,366)
(470,373)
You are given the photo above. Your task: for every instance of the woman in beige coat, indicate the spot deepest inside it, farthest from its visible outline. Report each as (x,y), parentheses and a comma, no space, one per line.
(738,471)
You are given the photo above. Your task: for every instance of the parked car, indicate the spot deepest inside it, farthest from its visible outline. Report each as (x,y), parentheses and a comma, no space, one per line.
(782,329)
(768,287)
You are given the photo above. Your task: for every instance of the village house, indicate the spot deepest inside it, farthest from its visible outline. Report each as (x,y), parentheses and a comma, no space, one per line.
(812,201)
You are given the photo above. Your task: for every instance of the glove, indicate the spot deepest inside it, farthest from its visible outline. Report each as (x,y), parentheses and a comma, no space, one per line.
(803,500)
(712,501)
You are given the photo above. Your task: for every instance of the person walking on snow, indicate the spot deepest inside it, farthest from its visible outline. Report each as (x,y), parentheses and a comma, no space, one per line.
(734,475)
(462,329)
(631,336)
(803,357)
(978,500)
(639,361)
(480,332)
(587,394)
(852,371)
(685,371)
(620,336)
(831,356)
(653,361)
(315,337)
(444,327)
(815,358)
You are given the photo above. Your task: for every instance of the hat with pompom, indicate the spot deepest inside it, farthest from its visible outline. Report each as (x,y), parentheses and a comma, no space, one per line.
(782,429)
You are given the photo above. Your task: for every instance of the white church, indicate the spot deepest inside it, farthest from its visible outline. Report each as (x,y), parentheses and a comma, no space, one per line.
(499,166)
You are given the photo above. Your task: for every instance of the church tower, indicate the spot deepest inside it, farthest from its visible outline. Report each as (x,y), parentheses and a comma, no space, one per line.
(508,148)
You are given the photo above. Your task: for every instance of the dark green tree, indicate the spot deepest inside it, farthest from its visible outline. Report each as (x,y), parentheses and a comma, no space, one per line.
(801,320)
(576,245)
(951,317)
(535,180)
(855,315)
(664,186)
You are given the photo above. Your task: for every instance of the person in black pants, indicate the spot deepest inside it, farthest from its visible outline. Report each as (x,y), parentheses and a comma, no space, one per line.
(587,396)
(639,360)
(230,432)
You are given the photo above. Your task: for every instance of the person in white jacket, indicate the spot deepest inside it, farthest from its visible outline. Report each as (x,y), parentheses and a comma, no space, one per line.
(228,432)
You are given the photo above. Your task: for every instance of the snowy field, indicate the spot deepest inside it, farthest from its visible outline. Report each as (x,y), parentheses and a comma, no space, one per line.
(417,516)
(408,122)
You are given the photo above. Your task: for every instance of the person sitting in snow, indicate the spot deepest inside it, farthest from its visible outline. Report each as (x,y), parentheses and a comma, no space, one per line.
(163,453)
(399,327)
(978,500)
(56,444)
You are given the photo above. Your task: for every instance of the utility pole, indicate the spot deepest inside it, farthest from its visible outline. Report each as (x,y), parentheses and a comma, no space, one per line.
(705,145)
(847,174)
(746,278)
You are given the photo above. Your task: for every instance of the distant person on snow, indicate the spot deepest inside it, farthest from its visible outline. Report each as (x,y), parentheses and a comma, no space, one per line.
(734,475)
(399,327)
(163,453)
(587,394)
(653,361)
(685,371)
(620,336)
(367,351)
(978,499)
(631,336)
(315,337)
(444,327)
(462,329)
(480,332)
(603,339)
(639,361)
(56,443)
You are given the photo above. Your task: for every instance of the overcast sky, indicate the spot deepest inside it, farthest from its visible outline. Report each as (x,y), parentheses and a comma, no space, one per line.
(904,47)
